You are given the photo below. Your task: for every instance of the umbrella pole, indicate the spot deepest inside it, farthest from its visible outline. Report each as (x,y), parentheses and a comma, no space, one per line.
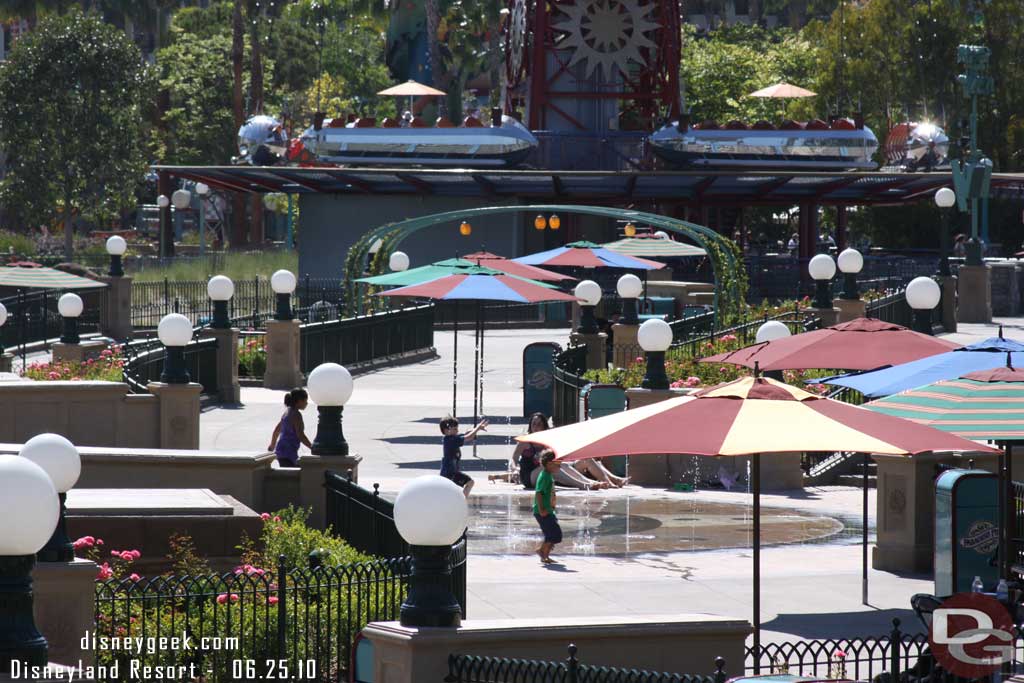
(1003,505)
(755,466)
(1011,513)
(864,537)
(476,372)
(455,361)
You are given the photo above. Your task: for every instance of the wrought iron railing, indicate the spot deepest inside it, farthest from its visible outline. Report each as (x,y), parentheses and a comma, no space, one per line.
(367,338)
(567,382)
(366,521)
(476,669)
(32,317)
(285,623)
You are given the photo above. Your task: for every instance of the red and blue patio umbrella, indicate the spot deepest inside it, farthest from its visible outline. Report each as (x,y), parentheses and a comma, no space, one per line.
(587,255)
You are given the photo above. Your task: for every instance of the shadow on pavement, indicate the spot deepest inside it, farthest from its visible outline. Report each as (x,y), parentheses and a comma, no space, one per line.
(869,624)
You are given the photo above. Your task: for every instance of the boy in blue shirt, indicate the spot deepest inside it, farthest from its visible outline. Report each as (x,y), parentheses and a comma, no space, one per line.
(452,445)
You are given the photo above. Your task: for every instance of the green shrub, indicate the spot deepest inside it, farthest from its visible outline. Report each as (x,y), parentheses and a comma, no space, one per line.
(16,244)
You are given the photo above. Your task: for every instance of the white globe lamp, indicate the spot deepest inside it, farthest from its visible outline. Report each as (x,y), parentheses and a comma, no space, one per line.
(850,262)
(923,294)
(822,269)
(174,332)
(629,288)
(945,198)
(60,460)
(330,386)
(3,320)
(220,289)
(30,506)
(283,283)
(431,514)
(398,261)
(70,307)
(655,337)
(589,294)
(770,331)
(182,199)
(116,247)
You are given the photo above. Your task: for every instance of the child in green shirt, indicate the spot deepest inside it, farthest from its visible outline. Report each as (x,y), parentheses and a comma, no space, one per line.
(544,506)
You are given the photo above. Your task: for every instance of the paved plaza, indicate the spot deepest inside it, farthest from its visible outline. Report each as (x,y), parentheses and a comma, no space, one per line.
(811,581)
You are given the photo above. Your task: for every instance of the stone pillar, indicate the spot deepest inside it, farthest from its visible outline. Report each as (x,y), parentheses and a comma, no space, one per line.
(685,642)
(625,347)
(77,353)
(227,364)
(905,509)
(116,315)
(179,414)
(974,288)
(596,348)
(948,286)
(6,362)
(283,366)
(311,482)
(658,470)
(65,607)
(849,309)
(829,316)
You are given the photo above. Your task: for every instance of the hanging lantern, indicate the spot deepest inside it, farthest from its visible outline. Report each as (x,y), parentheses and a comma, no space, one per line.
(630,229)
(540,222)
(465,229)
(554,222)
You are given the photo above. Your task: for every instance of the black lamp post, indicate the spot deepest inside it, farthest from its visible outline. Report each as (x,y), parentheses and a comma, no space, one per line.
(330,386)
(431,514)
(70,307)
(655,337)
(589,294)
(822,269)
(116,246)
(283,283)
(850,264)
(629,288)
(923,294)
(174,332)
(220,289)
(945,198)
(59,458)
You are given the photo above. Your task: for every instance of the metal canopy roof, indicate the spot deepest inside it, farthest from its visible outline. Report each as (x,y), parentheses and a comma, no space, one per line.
(685,187)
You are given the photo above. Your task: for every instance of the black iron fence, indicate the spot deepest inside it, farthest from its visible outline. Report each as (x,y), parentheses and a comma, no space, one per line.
(779,277)
(282,623)
(475,669)
(893,308)
(32,317)
(893,658)
(366,521)
(252,304)
(367,338)
(567,382)
(144,362)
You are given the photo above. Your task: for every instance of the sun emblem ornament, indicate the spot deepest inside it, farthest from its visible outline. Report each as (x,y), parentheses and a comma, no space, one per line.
(606,34)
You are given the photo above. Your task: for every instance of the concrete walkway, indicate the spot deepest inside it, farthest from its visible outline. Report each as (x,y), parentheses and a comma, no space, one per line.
(808,590)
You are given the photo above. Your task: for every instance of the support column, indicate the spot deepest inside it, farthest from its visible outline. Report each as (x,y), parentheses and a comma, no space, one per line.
(841,228)
(116,316)
(311,482)
(227,364)
(849,309)
(179,414)
(829,316)
(283,361)
(64,606)
(597,351)
(6,362)
(948,285)
(974,288)
(76,354)
(625,347)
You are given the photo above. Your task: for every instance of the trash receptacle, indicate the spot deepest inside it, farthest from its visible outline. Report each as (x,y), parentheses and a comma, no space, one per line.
(966,530)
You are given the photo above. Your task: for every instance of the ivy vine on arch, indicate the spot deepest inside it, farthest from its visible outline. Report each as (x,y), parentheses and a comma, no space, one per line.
(726,260)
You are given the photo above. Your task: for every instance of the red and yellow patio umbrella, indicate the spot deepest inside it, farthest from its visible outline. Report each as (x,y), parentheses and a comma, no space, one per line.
(749,416)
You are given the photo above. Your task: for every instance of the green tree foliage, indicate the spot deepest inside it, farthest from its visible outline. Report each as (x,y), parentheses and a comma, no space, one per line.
(720,70)
(71,98)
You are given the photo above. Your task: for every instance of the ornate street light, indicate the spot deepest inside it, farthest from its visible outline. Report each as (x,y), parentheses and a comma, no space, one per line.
(398,261)
(330,386)
(945,198)
(203,190)
(283,283)
(27,494)
(431,514)
(182,199)
(70,308)
(589,294)
(850,263)
(174,332)
(923,294)
(220,289)
(163,201)
(654,337)
(629,288)
(116,246)
(3,320)
(60,460)
(822,269)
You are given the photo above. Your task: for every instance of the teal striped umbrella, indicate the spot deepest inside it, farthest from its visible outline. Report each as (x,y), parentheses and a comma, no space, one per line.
(44,278)
(653,247)
(987,405)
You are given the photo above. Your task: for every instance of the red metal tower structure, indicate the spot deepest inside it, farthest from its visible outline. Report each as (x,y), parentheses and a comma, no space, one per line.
(593,65)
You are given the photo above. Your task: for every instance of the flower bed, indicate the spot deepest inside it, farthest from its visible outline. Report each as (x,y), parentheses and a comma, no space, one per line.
(252,356)
(108,367)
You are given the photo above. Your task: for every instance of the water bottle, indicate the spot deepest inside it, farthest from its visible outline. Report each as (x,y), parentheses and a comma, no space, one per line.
(1002,591)
(977,586)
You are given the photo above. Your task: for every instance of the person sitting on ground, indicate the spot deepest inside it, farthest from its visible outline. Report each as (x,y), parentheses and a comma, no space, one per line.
(452,455)
(290,430)
(524,461)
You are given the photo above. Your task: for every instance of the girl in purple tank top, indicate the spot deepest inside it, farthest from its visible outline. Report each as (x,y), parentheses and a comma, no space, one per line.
(290,430)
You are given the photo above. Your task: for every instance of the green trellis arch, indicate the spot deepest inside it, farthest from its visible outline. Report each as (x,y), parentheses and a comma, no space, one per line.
(726,261)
